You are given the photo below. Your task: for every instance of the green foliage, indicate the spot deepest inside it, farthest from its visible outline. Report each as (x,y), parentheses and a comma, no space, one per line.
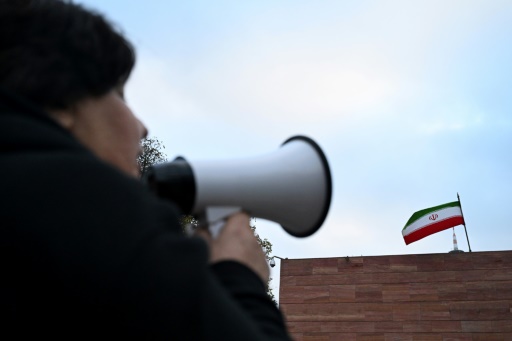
(188,219)
(152,153)
(266,245)
(188,223)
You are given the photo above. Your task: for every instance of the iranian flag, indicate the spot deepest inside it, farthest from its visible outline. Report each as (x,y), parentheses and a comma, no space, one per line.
(432,220)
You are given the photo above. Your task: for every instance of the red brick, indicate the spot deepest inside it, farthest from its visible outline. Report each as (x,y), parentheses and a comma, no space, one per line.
(316,337)
(353,264)
(388,326)
(457,337)
(343,337)
(480,291)
(503,290)
(323,280)
(434,311)
(378,312)
(502,326)
(423,292)
(427,337)
(430,262)
(287,281)
(463,311)
(457,262)
(403,259)
(304,327)
(395,292)
(360,278)
(465,296)
(283,306)
(319,280)
(397,337)
(291,295)
(370,337)
(349,327)
(386,277)
(477,326)
(296,267)
(480,311)
(451,291)
(406,312)
(325,266)
(342,293)
(369,293)
(492,337)
(417,326)
(441,276)
(324,312)
(331,327)
(506,257)
(403,264)
(316,294)
(488,275)
(488,260)
(446,326)
(376,264)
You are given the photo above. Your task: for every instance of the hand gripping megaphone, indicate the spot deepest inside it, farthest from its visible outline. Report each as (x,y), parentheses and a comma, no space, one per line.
(291,186)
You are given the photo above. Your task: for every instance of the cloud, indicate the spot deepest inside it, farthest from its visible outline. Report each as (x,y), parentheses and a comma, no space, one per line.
(154,91)
(319,68)
(322,70)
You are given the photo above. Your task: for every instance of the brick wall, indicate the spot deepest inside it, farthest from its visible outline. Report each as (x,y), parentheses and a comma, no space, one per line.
(452,296)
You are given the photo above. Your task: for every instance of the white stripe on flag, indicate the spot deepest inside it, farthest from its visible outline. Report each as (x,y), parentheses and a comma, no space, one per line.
(442,214)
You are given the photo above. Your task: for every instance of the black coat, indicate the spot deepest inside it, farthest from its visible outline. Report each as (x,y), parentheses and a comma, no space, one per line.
(89,252)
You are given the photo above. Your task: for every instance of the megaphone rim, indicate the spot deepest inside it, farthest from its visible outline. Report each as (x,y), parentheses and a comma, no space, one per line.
(328,194)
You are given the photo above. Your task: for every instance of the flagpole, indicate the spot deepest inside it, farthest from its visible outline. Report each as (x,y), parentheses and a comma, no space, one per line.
(458,197)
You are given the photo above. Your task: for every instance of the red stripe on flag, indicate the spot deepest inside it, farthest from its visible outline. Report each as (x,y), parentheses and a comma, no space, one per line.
(433,228)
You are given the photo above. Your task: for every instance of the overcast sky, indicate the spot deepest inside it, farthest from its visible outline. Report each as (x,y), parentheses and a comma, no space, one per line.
(410,100)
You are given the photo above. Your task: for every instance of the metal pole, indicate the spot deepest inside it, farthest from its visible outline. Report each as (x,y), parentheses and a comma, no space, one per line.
(458,197)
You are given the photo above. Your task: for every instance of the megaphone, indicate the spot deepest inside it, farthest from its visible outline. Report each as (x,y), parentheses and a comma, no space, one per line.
(291,186)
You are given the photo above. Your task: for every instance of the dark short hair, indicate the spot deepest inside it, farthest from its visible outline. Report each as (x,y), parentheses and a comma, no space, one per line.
(55,53)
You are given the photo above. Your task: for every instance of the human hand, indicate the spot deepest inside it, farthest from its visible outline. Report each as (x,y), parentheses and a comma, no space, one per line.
(236,241)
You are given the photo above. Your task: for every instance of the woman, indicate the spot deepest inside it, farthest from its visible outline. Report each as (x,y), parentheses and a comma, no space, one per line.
(88,251)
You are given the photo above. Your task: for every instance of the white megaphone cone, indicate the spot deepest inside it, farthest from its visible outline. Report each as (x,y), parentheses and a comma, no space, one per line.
(291,186)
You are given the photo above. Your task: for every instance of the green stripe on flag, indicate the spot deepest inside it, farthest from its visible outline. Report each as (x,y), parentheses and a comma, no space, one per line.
(426,211)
